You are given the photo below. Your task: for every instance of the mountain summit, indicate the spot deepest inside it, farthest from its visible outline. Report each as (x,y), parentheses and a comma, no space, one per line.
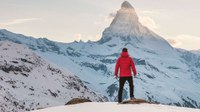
(126,4)
(126,28)
(126,18)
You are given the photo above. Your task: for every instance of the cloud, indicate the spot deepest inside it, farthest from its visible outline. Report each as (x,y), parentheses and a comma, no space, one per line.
(174,42)
(148,22)
(18,21)
(102,19)
(77,37)
(98,22)
(85,38)
(148,12)
(154,13)
(112,15)
(97,37)
(145,20)
(188,42)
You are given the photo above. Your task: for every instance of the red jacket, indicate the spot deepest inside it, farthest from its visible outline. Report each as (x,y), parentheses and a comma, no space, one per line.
(125,63)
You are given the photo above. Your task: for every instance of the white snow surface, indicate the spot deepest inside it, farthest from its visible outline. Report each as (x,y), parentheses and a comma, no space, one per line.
(114,107)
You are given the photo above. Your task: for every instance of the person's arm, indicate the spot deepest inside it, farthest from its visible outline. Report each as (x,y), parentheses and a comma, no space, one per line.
(117,67)
(133,67)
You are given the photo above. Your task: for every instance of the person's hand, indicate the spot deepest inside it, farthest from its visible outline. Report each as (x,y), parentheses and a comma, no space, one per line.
(116,77)
(135,76)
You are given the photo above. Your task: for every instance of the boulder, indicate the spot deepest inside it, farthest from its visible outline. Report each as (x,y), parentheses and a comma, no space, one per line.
(77,101)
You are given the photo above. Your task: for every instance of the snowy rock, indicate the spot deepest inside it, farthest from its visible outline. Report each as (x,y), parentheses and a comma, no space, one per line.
(77,101)
(126,4)
(135,101)
(28,82)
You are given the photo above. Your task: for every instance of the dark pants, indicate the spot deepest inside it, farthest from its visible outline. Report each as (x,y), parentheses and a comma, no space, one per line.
(122,80)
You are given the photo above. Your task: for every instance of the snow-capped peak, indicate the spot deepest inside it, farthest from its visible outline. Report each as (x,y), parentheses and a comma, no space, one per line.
(126,4)
(126,17)
(125,24)
(126,28)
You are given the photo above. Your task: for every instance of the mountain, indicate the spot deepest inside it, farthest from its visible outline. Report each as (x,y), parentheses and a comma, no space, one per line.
(114,107)
(28,82)
(196,51)
(165,74)
(126,29)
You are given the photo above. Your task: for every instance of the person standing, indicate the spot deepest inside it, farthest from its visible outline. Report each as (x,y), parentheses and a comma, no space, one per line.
(125,63)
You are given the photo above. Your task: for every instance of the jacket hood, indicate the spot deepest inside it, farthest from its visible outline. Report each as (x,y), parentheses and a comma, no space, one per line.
(124,54)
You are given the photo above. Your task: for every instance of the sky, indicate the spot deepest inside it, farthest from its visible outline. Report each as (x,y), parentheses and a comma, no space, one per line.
(67,20)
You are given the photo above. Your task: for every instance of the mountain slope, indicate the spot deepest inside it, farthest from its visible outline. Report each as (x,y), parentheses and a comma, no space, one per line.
(196,51)
(29,82)
(165,74)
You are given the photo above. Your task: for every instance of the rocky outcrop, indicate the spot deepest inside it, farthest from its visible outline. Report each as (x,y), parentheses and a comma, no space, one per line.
(77,101)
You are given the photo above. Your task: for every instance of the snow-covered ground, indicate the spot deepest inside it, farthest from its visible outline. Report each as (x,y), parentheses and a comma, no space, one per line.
(114,107)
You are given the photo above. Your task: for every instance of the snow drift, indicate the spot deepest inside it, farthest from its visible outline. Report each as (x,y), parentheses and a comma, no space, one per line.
(114,107)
